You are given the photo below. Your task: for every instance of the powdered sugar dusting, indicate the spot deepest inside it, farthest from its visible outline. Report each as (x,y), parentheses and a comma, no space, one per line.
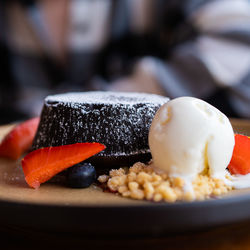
(120,121)
(108,97)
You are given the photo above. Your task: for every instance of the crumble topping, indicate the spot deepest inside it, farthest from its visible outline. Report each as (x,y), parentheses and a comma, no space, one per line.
(142,182)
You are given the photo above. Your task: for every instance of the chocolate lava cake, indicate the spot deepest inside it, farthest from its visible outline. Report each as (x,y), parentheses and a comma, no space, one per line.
(120,121)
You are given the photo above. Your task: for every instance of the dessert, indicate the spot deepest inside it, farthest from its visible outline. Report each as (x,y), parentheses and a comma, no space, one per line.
(120,121)
(189,136)
(19,139)
(141,181)
(191,143)
(42,164)
(240,162)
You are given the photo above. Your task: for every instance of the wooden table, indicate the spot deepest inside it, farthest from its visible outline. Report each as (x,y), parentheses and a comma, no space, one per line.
(228,237)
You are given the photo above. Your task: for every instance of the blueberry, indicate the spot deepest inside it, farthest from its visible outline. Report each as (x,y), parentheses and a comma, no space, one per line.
(81,175)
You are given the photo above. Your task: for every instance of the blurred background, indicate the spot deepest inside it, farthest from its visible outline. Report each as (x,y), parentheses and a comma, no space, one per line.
(170,47)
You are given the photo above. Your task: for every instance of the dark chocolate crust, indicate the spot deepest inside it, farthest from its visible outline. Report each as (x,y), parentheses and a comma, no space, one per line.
(120,125)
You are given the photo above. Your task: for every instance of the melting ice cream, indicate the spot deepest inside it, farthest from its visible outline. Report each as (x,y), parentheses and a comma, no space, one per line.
(189,136)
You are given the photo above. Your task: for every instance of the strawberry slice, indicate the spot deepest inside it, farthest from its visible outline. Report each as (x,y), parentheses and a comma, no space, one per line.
(19,139)
(240,162)
(42,164)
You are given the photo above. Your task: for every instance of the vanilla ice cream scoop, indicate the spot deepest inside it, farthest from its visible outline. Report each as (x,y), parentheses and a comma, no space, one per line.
(189,136)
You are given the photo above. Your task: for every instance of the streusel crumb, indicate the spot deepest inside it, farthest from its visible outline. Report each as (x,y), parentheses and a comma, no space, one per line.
(141,181)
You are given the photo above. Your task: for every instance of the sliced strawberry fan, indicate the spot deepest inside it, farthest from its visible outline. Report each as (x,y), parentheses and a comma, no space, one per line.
(240,162)
(41,165)
(19,139)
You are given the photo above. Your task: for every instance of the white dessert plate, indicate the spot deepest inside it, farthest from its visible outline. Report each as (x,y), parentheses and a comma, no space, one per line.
(56,208)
